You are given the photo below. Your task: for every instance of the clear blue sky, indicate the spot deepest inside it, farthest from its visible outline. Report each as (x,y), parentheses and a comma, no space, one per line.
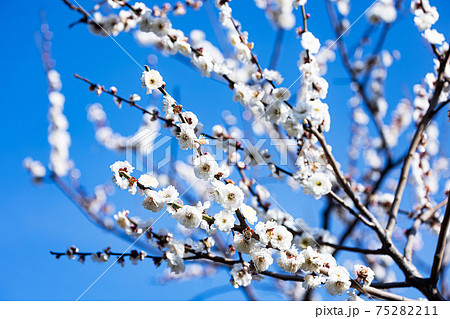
(36,220)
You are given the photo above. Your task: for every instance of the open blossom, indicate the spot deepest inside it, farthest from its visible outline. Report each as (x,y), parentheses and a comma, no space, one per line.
(241,276)
(265,231)
(383,10)
(205,167)
(281,237)
(289,260)
(318,184)
(338,281)
(262,258)
(169,194)
(313,281)
(204,64)
(175,262)
(186,137)
(312,260)
(249,214)
(244,245)
(433,37)
(189,216)
(229,196)
(224,220)
(272,75)
(119,167)
(148,180)
(152,80)
(364,274)
(277,235)
(122,220)
(277,112)
(152,201)
(310,42)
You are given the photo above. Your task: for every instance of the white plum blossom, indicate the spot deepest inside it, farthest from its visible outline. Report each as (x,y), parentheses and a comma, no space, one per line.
(175,262)
(244,245)
(152,80)
(121,167)
(168,194)
(318,184)
(262,258)
(224,220)
(310,42)
(290,260)
(186,137)
(382,11)
(148,180)
(205,167)
(265,231)
(249,214)
(433,37)
(312,260)
(313,281)
(272,75)
(281,237)
(229,196)
(338,281)
(241,276)
(189,216)
(152,201)
(364,274)
(122,220)
(277,112)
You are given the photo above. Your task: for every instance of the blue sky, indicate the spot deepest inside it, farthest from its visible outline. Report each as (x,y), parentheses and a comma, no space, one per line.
(37,219)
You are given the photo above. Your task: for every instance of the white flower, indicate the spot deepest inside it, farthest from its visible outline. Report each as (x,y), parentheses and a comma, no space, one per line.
(310,42)
(122,220)
(241,276)
(152,80)
(148,180)
(243,53)
(433,37)
(182,46)
(152,201)
(265,231)
(224,221)
(243,245)
(272,75)
(317,185)
(364,274)
(262,258)
(204,64)
(175,262)
(189,216)
(186,137)
(168,194)
(312,260)
(293,128)
(282,94)
(205,167)
(289,260)
(338,280)
(249,214)
(313,281)
(277,112)
(229,196)
(119,167)
(281,237)
(191,119)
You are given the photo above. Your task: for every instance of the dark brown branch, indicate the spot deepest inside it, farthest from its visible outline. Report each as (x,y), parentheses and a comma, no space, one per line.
(414,144)
(440,247)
